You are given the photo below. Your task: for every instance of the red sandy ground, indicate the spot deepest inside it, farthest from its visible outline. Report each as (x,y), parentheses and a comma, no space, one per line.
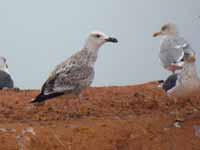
(138,117)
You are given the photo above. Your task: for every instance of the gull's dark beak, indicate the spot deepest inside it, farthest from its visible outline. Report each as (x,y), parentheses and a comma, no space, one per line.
(157,34)
(111,39)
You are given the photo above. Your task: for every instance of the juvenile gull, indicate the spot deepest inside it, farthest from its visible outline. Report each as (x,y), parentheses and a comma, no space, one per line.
(184,83)
(77,72)
(172,48)
(5,77)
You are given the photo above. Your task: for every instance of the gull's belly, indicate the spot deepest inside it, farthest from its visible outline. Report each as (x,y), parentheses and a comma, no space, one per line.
(186,89)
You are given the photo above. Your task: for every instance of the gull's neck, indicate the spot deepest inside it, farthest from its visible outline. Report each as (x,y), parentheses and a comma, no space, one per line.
(169,35)
(189,70)
(91,46)
(92,52)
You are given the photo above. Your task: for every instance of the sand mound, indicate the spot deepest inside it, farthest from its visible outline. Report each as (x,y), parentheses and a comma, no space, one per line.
(109,118)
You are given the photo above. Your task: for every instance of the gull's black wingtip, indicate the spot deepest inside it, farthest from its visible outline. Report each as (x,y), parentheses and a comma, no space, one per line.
(160,81)
(41,98)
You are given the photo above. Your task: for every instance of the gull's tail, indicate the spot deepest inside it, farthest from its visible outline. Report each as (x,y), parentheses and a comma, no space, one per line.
(160,81)
(41,97)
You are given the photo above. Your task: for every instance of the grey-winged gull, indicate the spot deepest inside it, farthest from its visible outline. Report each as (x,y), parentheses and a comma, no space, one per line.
(5,77)
(77,72)
(172,48)
(184,83)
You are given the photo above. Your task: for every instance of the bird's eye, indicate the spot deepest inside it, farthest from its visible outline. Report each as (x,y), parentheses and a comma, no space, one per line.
(97,36)
(164,28)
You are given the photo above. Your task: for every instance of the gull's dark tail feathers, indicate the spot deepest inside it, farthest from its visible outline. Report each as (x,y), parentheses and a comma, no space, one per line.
(160,81)
(41,97)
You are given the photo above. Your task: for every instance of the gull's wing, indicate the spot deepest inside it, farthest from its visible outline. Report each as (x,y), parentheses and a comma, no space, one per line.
(181,43)
(170,82)
(69,80)
(5,80)
(173,49)
(77,59)
(170,56)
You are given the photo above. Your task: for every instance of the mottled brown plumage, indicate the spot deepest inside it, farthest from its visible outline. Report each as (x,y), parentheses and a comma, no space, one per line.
(77,72)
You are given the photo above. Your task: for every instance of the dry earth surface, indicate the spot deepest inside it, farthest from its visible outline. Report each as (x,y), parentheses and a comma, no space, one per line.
(137,117)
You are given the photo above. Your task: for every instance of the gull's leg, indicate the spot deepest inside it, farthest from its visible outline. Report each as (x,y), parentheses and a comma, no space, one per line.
(80,98)
(174,71)
(77,101)
(67,102)
(195,113)
(178,116)
(173,68)
(181,118)
(73,105)
(73,100)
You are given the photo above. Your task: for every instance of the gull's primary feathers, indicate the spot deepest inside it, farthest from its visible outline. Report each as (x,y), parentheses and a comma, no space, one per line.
(77,72)
(172,48)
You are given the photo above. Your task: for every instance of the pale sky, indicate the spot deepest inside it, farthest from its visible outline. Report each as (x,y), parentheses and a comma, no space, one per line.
(37,35)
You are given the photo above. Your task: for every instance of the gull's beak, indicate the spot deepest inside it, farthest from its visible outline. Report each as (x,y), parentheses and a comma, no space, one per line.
(111,39)
(157,34)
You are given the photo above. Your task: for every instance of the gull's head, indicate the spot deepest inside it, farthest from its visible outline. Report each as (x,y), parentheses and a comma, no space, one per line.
(96,39)
(167,29)
(3,64)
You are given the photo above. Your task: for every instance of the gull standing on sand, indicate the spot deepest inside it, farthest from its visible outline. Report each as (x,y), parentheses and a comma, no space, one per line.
(5,77)
(77,72)
(172,48)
